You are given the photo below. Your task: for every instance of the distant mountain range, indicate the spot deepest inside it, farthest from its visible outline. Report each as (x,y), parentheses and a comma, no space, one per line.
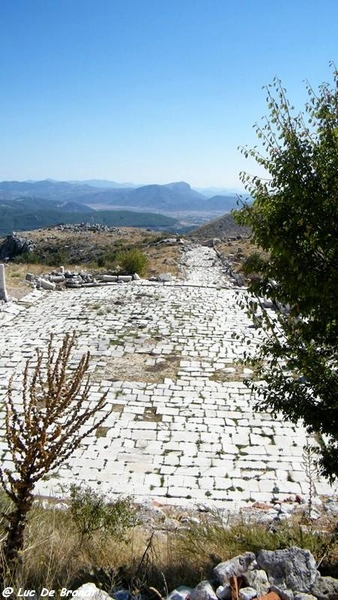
(43,203)
(104,183)
(170,197)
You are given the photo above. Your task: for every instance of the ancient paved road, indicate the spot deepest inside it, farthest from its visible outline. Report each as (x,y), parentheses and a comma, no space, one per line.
(181,428)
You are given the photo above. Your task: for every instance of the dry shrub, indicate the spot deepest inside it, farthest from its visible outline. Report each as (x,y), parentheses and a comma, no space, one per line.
(214,540)
(43,430)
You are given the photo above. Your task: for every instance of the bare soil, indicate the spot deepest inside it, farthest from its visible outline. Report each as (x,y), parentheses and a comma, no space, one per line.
(136,367)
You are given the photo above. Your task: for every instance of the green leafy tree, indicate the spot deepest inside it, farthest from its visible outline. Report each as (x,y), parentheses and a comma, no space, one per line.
(294,220)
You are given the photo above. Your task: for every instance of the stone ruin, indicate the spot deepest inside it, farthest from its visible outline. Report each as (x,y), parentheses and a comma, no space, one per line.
(3,291)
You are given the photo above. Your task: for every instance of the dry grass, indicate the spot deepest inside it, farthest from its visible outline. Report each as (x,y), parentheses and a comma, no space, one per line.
(15,274)
(162,258)
(55,556)
(216,540)
(238,251)
(104,238)
(240,248)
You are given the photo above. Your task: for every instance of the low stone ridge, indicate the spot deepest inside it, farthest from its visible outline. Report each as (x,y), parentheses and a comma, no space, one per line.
(76,227)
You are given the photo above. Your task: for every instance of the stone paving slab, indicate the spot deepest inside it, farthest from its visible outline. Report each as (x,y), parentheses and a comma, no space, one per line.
(181,428)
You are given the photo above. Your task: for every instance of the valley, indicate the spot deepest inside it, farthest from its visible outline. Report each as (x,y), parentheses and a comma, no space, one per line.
(26,205)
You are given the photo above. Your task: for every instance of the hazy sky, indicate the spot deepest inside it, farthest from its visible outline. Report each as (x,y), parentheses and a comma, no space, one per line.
(150,91)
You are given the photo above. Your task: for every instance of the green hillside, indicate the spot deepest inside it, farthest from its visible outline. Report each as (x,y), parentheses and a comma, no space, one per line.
(18,220)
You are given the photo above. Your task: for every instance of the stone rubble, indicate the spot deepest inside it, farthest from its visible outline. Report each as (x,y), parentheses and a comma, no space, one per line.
(14,245)
(182,429)
(57,280)
(96,227)
(293,568)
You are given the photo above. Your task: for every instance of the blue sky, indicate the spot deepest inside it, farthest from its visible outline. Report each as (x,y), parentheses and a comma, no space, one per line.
(150,90)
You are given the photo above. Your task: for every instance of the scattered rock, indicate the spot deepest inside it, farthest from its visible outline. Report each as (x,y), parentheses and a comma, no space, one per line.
(291,568)
(235,566)
(15,245)
(165,277)
(325,588)
(96,227)
(288,574)
(68,279)
(168,241)
(89,591)
(331,506)
(108,278)
(203,591)
(283,594)
(247,593)
(223,592)
(45,284)
(30,277)
(257,578)
(180,593)
(303,596)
